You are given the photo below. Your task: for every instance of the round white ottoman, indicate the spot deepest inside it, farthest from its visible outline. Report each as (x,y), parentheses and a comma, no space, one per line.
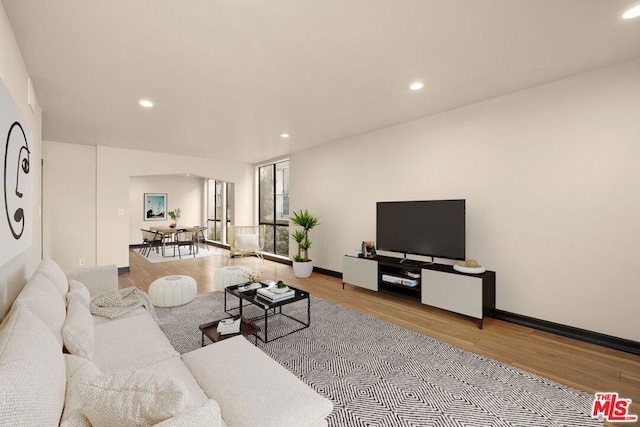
(228,276)
(170,291)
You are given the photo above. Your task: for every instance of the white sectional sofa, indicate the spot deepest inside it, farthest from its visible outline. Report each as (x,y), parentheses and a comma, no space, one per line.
(124,371)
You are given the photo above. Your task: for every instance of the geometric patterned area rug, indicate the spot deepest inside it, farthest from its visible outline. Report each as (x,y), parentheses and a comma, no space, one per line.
(184,254)
(379,374)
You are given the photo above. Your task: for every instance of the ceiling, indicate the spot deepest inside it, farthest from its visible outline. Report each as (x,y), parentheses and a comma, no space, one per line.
(229,76)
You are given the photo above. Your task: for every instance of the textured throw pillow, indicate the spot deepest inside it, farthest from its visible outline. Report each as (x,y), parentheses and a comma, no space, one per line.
(80,367)
(52,271)
(131,398)
(78,332)
(76,419)
(247,242)
(80,291)
(32,371)
(42,298)
(77,368)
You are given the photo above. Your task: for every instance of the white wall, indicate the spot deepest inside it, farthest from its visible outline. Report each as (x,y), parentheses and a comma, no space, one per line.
(14,74)
(184,192)
(111,171)
(69,203)
(550,176)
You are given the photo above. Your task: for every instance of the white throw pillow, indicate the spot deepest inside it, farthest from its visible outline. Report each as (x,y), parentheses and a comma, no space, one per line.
(42,298)
(52,271)
(131,398)
(76,419)
(78,333)
(32,371)
(77,367)
(247,242)
(79,290)
(80,367)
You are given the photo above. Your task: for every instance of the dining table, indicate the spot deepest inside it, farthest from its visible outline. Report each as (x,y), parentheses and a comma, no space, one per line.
(169,235)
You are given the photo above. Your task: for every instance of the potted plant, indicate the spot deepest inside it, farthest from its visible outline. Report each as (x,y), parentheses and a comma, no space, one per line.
(302,265)
(174,214)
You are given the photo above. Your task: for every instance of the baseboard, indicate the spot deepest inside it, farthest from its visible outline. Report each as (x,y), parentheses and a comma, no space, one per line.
(217,245)
(597,338)
(328,272)
(278,259)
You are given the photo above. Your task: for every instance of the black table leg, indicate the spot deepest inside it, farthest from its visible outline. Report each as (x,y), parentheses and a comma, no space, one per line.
(266,323)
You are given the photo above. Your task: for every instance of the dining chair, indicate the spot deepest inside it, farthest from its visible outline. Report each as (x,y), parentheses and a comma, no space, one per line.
(183,238)
(199,238)
(151,239)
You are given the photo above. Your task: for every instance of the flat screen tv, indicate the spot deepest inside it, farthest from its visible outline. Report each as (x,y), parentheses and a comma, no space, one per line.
(434,228)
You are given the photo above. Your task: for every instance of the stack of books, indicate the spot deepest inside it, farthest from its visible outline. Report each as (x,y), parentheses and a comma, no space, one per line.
(274,296)
(229,326)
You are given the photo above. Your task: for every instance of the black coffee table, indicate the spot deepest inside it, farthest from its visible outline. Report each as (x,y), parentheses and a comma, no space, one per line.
(210,330)
(270,308)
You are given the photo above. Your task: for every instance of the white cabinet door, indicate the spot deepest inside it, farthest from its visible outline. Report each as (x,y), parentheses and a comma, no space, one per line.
(360,272)
(453,292)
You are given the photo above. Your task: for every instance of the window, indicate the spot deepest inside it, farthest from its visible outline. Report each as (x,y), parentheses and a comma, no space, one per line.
(274,206)
(219,213)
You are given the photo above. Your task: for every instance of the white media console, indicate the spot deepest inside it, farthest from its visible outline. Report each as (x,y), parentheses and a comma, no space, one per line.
(437,285)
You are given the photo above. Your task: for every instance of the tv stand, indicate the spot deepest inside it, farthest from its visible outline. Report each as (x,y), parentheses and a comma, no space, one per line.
(436,285)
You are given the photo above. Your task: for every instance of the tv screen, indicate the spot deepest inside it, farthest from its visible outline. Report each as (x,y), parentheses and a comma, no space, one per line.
(434,228)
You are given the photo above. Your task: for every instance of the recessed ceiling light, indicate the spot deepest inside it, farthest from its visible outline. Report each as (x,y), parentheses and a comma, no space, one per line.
(145,103)
(634,12)
(284,135)
(416,86)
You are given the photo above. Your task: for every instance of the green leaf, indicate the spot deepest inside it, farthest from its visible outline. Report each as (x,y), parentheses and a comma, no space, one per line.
(304,219)
(305,244)
(299,236)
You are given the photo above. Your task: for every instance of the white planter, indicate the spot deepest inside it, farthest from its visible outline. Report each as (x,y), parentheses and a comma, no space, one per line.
(302,270)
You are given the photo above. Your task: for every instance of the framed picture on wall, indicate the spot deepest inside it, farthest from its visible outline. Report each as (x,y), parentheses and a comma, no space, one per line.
(16,179)
(155,206)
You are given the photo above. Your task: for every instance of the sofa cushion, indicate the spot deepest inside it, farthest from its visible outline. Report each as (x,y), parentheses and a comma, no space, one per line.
(52,271)
(130,343)
(99,279)
(97,320)
(42,298)
(207,414)
(32,371)
(78,290)
(238,362)
(177,370)
(78,330)
(131,398)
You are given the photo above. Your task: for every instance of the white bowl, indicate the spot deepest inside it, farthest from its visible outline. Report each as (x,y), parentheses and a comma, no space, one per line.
(279,290)
(471,270)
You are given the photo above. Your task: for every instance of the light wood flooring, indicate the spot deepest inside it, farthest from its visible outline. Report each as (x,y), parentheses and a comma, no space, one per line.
(580,365)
